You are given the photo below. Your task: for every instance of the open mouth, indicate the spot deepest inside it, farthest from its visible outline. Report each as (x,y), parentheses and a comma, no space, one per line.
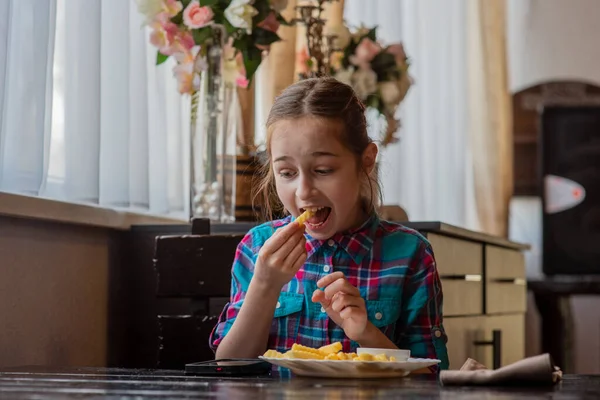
(319,216)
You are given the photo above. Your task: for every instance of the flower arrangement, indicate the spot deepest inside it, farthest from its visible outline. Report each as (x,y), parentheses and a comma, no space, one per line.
(185,29)
(378,74)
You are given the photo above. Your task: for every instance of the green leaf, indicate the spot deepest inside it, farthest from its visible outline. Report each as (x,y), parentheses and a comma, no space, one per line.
(228,27)
(372,34)
(252,58)
(201,35)
(283,21)
(242,42)
(209,3)
(160,58)
(264,37)
(185,3)
(263,8)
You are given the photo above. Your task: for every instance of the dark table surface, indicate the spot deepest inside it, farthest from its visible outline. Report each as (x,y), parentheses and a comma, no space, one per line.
(108,383)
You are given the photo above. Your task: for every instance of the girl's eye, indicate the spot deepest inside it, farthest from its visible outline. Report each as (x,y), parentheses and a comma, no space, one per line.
(324,171)
(287,174)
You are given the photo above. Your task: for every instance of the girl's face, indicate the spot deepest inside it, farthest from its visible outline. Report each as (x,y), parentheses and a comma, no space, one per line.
(313,170)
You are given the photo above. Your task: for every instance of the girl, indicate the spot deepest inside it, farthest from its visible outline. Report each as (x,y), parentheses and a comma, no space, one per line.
(344,275)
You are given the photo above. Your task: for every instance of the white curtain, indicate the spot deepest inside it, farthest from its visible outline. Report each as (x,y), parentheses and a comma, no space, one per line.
(26,53)
(429,172)
(87,116)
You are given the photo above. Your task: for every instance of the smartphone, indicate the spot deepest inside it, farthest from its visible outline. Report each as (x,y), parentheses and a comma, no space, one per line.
(229,367)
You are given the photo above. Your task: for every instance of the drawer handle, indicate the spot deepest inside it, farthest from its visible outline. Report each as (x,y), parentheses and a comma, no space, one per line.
(496,344)
(467,278)
(512,281)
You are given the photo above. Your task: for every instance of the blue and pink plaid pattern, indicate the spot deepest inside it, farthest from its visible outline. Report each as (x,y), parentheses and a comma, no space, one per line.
(391,265)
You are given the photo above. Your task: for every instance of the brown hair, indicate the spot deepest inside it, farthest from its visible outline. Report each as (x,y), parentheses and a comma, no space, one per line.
(327,98)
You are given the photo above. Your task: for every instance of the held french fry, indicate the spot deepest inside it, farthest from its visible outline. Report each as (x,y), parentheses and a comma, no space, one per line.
(304,216)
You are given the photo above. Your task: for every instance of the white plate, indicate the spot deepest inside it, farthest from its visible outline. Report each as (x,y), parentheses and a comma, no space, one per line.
(352,369)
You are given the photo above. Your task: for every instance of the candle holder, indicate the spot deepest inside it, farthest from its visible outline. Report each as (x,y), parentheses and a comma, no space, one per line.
(320,46)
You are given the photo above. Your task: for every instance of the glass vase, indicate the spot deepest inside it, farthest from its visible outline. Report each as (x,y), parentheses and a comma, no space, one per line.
(213,146)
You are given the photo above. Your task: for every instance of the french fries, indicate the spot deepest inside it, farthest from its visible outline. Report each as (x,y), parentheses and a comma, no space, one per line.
(331,352)
(304,216)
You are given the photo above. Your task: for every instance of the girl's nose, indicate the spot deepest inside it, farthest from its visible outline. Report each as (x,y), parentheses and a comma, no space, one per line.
(305,189)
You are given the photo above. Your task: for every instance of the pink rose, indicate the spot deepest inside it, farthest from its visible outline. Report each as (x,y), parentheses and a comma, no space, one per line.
(195,16)
(365,52)
(242,81)
(302,61)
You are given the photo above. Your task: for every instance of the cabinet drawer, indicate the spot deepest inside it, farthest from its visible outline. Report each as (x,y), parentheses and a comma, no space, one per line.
(505,297)
(506,289)
(456,257)
(501,263)
(462,297)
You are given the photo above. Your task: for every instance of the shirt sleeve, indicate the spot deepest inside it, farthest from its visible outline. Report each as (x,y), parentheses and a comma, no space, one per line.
(241,274)
(421,322)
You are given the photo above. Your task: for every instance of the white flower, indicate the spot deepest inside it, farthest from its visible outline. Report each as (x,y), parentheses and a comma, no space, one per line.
(240,13)
(390,93)
(149,8)
(278,5)
(345,75)
(342,33)
(365,82)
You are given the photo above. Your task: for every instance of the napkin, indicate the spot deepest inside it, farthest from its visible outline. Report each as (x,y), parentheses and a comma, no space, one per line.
(536,370)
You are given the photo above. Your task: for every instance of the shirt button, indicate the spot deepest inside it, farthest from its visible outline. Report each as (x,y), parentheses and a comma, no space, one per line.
(438,333)
(278,305)
(330,242)
(327,268)
(322,309)
(378,316)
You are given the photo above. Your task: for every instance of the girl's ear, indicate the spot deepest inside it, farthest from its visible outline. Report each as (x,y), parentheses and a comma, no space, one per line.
(369,158)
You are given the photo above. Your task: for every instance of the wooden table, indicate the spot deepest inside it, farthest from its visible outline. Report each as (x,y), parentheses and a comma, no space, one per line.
(106,383)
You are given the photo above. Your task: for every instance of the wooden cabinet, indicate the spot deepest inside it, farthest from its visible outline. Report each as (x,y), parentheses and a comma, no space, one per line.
(473,337)
(483,280)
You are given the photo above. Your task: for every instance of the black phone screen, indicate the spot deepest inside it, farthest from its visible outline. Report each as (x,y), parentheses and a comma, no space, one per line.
(229,367)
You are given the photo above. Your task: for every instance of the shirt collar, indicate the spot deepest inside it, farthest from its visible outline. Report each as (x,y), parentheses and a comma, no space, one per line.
(356,242)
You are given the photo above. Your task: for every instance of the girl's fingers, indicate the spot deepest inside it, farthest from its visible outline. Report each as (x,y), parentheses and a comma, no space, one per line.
(299,260)
(318,296)
(293,255)
(278,256)
(341,285)
(329,279)
(282,236)
(343,300)
(350,312)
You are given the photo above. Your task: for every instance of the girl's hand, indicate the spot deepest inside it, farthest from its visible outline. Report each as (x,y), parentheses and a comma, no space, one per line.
(343,304)
(282,255)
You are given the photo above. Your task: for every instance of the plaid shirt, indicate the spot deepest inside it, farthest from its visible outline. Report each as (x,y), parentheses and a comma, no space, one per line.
(391,265)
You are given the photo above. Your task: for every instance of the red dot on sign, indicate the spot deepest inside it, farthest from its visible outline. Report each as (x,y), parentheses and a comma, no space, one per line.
(576,193)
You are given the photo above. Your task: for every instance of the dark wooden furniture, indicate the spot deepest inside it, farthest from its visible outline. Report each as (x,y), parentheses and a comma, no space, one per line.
(527,105)
(552,299)
(133,327)
(88,383)
(93,383)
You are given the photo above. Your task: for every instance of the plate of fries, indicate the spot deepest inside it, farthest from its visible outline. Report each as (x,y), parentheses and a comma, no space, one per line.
(330,362)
